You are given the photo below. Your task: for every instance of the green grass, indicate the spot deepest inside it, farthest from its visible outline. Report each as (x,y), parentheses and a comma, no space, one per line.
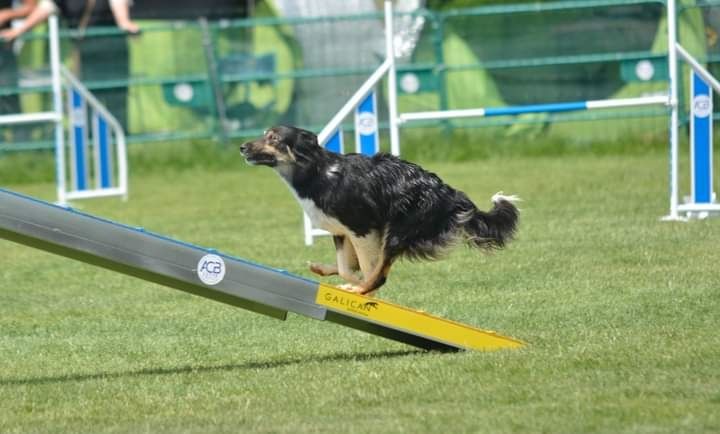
(419,144)
(620,310)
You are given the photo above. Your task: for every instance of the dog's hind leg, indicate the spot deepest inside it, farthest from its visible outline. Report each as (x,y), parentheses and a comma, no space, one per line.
(376,279)
(374,265)
(373,282)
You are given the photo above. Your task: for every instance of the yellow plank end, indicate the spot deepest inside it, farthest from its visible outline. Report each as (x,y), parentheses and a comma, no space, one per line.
(405,319)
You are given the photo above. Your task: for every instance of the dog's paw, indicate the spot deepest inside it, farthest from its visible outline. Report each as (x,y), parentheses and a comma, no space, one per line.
(357,289)
(349,287)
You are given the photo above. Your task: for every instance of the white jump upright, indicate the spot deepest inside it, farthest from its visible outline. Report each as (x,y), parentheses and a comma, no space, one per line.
(97,160)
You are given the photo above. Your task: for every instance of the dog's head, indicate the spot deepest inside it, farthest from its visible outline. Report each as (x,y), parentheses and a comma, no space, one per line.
(281,146)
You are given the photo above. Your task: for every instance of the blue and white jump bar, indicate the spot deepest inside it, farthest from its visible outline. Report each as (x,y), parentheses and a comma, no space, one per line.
(534,108)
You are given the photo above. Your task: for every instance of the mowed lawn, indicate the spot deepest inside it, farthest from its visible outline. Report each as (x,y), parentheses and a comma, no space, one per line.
(620,311)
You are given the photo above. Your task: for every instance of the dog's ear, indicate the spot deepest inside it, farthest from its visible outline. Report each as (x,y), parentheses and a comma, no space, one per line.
(306,147)
(305,140)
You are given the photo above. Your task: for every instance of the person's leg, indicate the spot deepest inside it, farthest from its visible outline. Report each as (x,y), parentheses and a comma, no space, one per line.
(121,13)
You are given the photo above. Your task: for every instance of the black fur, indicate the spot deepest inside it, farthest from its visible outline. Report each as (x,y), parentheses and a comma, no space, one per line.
(416,212)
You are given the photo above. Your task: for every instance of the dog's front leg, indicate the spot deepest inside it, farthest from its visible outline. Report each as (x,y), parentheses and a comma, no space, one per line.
(323,269)
(347,262)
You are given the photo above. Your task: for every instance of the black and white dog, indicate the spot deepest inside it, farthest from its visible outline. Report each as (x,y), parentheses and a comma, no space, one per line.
(377,208)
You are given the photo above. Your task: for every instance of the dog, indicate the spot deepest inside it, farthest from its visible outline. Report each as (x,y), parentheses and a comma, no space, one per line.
(378,209)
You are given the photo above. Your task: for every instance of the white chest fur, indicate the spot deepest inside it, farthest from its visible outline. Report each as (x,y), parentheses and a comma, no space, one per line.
(318,218)
(321,220)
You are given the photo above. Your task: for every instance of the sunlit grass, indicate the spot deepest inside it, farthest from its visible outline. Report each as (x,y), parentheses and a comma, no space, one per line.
(620,312)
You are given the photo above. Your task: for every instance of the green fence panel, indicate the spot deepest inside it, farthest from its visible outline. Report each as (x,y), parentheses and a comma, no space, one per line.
(271,69)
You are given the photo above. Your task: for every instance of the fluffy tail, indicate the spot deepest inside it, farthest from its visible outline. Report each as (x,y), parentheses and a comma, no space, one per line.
(495,228)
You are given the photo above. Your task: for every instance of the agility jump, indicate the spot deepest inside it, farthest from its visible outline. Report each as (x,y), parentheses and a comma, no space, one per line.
(97,160)
(237,282)
(701,202)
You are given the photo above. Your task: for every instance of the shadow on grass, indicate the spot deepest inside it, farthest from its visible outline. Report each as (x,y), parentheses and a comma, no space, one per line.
(341,357)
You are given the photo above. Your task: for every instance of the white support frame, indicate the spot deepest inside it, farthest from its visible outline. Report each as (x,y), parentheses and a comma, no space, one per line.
(55,62)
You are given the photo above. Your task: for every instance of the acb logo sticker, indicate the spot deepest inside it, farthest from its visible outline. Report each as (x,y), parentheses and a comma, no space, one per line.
(702,106)
(366,123)
(211,269)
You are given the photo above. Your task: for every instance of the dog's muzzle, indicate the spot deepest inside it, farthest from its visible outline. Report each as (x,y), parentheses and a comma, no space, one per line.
(254,157)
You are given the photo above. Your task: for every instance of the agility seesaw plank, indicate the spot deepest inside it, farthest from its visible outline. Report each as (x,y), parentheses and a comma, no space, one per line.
(208,273)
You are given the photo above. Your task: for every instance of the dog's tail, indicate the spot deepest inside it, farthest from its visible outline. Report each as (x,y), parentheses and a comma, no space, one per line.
(495,228)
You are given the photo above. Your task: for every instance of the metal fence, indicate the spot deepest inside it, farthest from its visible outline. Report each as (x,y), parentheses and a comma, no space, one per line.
(183,80)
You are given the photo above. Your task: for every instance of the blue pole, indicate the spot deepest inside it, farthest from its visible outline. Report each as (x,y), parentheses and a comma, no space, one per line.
(701,141)
(78,128)
(537,108)
(104,153)
(366,130)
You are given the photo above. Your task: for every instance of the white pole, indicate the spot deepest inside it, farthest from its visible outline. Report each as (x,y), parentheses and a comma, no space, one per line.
(28,118)
(307,224)
(121,155)
(629,102)
(54,41)
(442,114)
(89,97)
(697,67)
(354,100)
(392,86)
(674,115)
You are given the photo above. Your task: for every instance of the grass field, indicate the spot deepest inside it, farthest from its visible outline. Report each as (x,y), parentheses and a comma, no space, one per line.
(621,313)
